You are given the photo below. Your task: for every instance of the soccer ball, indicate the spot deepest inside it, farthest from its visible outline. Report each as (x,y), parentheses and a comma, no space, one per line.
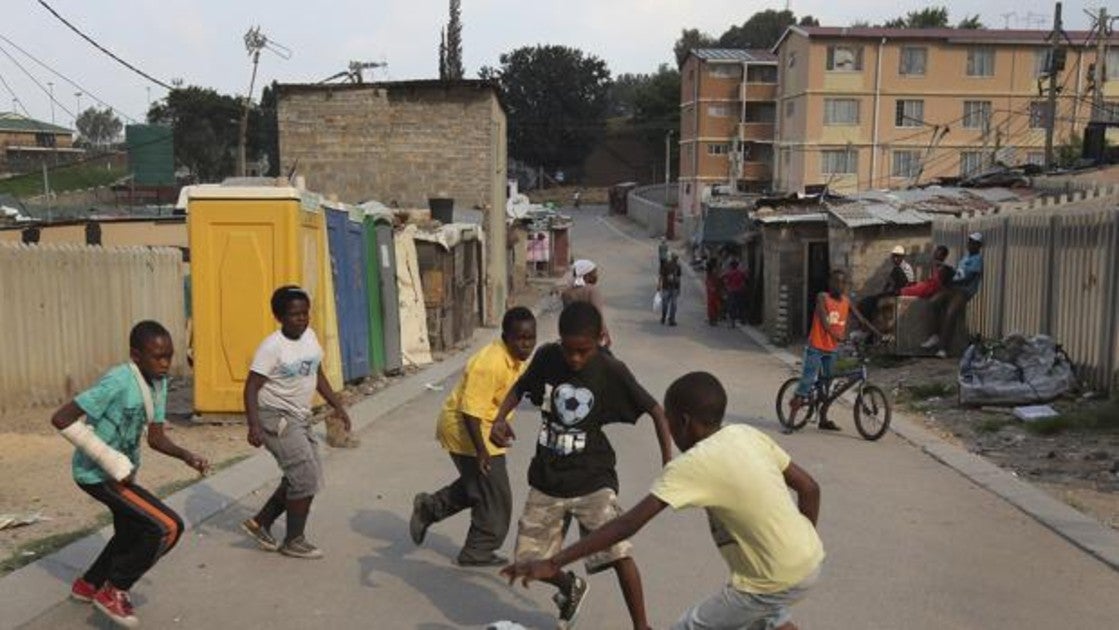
(573,404)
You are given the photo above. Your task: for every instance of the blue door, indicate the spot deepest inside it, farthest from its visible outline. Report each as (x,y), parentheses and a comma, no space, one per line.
(347,266)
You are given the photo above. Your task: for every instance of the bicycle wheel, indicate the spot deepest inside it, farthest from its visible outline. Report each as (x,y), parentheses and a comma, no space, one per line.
(872,412)
(784,396)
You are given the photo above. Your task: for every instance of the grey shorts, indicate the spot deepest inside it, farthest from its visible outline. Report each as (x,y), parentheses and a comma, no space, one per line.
(290,440)
(731,608)
(544,524)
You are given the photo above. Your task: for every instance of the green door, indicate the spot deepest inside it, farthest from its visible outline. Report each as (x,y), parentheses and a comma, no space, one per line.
(373,295)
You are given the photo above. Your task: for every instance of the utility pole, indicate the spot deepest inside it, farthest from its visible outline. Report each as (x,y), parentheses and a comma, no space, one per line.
(1103,34)
(667,163)
(255,41)
(50,84)
(1051,102)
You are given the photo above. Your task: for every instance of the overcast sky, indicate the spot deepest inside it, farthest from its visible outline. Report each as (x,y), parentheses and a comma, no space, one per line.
(200,41)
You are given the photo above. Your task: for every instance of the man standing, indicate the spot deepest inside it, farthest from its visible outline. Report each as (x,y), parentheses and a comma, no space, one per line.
(952,301)
(668,283)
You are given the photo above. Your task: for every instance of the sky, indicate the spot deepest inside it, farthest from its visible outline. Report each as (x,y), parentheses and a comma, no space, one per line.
(201,41)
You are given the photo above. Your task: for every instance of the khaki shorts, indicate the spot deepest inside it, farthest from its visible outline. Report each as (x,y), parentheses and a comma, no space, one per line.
(292,442)
(542,527)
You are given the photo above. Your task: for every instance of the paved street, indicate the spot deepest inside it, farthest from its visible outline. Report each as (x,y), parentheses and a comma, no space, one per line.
(911,543)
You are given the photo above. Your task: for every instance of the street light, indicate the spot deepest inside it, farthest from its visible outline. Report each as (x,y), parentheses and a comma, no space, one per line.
(50,84)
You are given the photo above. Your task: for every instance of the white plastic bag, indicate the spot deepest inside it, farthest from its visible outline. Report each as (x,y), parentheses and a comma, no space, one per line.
(657,302)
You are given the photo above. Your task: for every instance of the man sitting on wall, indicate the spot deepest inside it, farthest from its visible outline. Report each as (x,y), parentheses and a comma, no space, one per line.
(901,276)
(951,302)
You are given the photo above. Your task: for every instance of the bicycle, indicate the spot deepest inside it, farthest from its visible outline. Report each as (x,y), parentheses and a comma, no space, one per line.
(872,408)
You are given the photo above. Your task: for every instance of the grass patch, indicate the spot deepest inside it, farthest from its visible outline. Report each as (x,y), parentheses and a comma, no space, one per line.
(1089,417)
(33,550)
(925,391)
(990,425)
(62,179)
(887,361)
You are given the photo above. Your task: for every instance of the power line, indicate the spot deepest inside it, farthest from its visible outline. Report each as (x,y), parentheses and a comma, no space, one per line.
(103,49)
(36,82)
(65,78)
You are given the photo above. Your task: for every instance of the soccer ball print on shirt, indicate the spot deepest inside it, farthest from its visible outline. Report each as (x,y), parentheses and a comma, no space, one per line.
(569,406)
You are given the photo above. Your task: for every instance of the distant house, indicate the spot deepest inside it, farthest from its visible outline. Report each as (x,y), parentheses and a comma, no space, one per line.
(25,143)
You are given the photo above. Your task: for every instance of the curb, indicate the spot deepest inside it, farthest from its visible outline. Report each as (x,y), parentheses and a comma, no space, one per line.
(1084,532)
(32,590)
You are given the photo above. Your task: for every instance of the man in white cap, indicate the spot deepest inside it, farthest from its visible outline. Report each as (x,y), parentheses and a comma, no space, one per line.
(952,301)
(901,276)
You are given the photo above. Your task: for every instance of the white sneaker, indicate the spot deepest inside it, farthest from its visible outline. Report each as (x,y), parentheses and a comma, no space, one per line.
(941,354)
(931,342)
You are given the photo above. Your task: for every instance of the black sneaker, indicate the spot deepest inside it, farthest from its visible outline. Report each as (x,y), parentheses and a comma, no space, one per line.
(570,602)
(421,517)
(828,425)
(493,560)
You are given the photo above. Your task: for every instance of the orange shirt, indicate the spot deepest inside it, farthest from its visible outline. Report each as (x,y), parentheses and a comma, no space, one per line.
(837,311)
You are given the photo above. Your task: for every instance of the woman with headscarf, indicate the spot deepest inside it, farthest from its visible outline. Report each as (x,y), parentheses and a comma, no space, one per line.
(582,287)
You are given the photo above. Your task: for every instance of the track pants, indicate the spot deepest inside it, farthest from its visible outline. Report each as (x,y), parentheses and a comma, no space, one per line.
(143,530)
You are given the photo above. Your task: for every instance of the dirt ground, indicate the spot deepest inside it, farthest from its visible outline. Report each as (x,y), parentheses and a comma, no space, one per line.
(35,462)
(1076,465)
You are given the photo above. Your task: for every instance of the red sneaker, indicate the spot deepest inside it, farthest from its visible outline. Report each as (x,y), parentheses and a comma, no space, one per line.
(83,591)
(116,605)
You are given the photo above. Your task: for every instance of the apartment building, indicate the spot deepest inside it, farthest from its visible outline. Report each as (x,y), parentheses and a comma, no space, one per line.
(862,108)
(727,114)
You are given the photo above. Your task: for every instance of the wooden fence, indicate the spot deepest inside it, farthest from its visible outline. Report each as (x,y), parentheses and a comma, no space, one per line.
(66,311)
(1049,272)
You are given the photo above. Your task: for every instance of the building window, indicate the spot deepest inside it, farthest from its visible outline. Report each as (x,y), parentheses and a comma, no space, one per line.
(1037,158)
(1109,112)
(721,110)
(971,163)
(909,113)
(1039,115)
(718,149)
(845,58)
(790,107)
(840,162)
(46,140)
(977,114)
(981,61)
(1041,62)
(913,61)
(841,111)
(760,112)
(761,74)
(906,163)
(760,152)
(724,71)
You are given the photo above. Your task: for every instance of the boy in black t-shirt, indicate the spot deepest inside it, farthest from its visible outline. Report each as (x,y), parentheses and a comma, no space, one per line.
(572,476)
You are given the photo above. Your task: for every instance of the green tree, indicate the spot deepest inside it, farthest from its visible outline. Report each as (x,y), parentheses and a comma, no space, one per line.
(657,108)
(556,99)
(929,17)
(971,22)
(624,93)
(98,128)
(691,39)
(762,30)
(205,127)
(450,61)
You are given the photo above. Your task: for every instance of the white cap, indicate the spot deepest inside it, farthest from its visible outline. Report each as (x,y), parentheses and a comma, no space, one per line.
(975,236)
(898,251)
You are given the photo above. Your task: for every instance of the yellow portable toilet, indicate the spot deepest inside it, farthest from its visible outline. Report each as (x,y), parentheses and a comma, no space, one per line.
(245,241)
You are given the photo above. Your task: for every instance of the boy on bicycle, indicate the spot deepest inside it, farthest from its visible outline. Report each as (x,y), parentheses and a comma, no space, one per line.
(829,329)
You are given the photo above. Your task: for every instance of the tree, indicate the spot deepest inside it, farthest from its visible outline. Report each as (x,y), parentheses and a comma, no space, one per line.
(450,59)
(98,127)
(762,30)
(808,20)
(929,17)
(971,22)
(205,127)
(556,99)
(691,39)
(625,92)
(657,107)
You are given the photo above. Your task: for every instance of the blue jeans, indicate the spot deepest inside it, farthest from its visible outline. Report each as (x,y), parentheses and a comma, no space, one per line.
(668,304)
(817,364)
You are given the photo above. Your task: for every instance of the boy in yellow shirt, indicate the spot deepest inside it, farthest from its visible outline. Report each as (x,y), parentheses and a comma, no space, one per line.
(741,478)
(467,417)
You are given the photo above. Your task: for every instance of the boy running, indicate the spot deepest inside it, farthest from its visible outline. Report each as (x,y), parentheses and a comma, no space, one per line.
(284,376)
(128,398)
(741,478)
(467,416)
(579,390)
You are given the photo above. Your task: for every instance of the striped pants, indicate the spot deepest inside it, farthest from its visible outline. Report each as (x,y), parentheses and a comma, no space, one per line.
(143,530)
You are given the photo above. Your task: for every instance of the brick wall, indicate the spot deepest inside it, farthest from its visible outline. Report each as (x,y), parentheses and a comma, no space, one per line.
(401,144)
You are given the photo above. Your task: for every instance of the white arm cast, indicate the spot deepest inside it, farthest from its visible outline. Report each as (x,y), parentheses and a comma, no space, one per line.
(109,459)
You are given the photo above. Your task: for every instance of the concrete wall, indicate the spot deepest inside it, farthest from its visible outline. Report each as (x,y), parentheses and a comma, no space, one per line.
(865,252)
(645,205)
(784,255)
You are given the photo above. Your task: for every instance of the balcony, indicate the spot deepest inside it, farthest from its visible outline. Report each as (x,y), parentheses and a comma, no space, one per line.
(761,131)
(756,172)
(759,92)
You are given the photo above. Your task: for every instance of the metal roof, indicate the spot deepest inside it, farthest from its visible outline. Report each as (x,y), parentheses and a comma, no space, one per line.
(955,35)
(785,216)
(735,54)
(11,121)
(918,206)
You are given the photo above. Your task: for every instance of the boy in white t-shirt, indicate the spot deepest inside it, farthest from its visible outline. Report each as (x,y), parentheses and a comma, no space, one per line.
(285,374)
(741,478)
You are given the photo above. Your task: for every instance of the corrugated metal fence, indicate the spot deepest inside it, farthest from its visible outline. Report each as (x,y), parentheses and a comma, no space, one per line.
(1051,273)
(66,311)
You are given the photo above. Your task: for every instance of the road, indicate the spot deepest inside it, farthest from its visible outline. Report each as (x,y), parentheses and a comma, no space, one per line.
(911,543)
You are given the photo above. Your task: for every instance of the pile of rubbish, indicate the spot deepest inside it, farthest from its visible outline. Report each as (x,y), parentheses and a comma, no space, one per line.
(1017,370)
(537,217)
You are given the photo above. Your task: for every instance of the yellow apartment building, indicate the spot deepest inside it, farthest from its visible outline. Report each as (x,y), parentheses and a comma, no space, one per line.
(727,114)
(863,108)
